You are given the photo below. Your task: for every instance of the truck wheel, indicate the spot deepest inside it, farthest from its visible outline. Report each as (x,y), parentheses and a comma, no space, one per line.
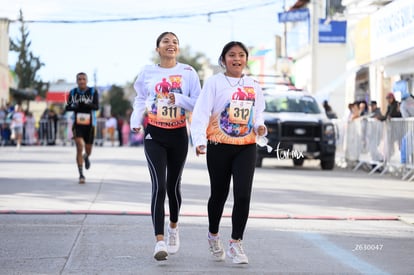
(298,162)
(328,163)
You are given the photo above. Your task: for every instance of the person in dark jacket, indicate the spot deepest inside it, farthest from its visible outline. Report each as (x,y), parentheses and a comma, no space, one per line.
(393,109)
(84,101)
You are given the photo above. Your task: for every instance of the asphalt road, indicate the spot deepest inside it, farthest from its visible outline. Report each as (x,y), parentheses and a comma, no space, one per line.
(303,220)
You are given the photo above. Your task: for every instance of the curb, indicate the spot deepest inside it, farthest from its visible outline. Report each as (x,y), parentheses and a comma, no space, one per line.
(188,214)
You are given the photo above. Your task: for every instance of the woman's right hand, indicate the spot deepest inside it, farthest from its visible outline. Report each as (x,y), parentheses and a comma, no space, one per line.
(200,150)
(136,130)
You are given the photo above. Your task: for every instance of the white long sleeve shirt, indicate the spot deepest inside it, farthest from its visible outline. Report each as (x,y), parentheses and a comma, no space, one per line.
(153,85)
(228,110)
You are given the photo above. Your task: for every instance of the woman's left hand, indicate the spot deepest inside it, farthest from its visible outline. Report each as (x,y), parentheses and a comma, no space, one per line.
(171,97)
(261,130)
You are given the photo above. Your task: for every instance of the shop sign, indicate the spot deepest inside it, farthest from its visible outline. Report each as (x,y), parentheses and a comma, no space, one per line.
(392,29)
(332,31)
(293,16)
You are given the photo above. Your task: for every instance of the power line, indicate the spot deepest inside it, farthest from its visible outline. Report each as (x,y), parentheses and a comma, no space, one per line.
(161,17)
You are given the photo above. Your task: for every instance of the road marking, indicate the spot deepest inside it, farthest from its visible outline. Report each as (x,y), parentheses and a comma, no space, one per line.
(342,255)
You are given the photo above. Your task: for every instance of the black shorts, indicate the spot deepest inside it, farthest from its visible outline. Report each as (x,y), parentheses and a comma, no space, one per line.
(85,132)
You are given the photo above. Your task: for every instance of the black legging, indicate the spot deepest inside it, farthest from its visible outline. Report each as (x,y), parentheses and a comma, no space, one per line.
(166,152)
(223,162)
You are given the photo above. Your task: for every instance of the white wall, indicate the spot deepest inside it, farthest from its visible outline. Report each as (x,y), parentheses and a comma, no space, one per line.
(4,68)
(331,75)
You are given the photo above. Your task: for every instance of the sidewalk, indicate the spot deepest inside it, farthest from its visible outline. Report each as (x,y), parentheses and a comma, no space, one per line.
(50,224)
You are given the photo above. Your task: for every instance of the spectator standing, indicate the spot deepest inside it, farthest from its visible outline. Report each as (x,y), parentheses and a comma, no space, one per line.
(17,123)
(3,124)
(375,112)
(328,110)
(363,108)
(407,106)
(3,114)
(407,99)
(393,108)
(407,110)
(53,119)
(355,111)
(111,126)
(100,129)
(30,129)
(229,139)
(120,123)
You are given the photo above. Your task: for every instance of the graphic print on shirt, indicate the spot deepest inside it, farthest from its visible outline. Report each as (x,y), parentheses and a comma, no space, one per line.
(164,114)
(235,123)
(79,97)
(83,115)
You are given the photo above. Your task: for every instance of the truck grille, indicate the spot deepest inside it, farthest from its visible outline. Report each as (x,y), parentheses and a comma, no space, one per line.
(300,131)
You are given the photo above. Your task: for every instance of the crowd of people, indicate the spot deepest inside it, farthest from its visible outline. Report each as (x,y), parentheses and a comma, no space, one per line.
(395,109)
(19,127)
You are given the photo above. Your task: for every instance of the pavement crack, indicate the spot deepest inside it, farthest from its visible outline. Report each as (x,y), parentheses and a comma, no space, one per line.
(74,245)
(96,195)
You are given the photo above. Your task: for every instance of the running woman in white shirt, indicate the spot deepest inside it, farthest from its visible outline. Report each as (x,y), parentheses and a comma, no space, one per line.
(166,91)
(225,122)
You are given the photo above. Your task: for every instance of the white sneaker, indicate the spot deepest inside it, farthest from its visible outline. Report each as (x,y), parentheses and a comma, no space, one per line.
(236,253)
(160,252)
(173,240)
(216,249)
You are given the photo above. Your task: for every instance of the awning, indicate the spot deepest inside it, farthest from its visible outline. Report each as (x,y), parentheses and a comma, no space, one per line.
(23,94)
(56,97)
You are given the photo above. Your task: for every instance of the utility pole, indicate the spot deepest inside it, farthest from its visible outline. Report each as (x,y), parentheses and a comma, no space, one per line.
(4,67)
(284,32)
(314,45)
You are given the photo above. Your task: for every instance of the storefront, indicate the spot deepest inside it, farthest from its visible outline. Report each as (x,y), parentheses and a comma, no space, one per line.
(384,50)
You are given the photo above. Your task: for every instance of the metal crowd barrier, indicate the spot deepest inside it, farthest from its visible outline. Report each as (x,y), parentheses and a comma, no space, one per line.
(379,146)
(100,131)
(50,133)
(46,132)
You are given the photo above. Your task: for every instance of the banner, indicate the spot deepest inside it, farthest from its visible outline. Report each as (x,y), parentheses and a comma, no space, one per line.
(294,16)
(332,31)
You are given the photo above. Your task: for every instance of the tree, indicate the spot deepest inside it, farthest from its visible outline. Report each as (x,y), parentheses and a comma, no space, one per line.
(116,99)
(28,64)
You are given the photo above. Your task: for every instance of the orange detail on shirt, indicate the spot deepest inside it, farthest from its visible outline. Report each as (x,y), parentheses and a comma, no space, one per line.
(215,134)
(173,124)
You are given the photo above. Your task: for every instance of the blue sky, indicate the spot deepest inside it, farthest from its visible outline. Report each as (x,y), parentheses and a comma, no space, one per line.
(116,51)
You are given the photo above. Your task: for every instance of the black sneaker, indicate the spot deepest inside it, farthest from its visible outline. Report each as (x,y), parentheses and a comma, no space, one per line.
(87,162)
(82,179)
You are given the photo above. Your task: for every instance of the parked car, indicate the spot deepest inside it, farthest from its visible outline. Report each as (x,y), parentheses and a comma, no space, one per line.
(298,129)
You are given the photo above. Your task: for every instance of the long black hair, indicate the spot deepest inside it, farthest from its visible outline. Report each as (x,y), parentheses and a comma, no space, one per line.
(164,34)
(228,46)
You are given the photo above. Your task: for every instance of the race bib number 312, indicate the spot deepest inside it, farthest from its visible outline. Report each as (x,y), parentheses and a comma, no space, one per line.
(240,111)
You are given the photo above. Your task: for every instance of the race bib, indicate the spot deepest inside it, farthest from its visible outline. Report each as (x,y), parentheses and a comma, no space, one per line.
(83,119)
(167,112)
(240,111)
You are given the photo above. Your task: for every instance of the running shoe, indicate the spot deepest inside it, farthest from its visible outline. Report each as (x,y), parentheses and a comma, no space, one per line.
(87,162)
(216,249)
(160,252)
(173,240)
(236,253)
(81,179)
